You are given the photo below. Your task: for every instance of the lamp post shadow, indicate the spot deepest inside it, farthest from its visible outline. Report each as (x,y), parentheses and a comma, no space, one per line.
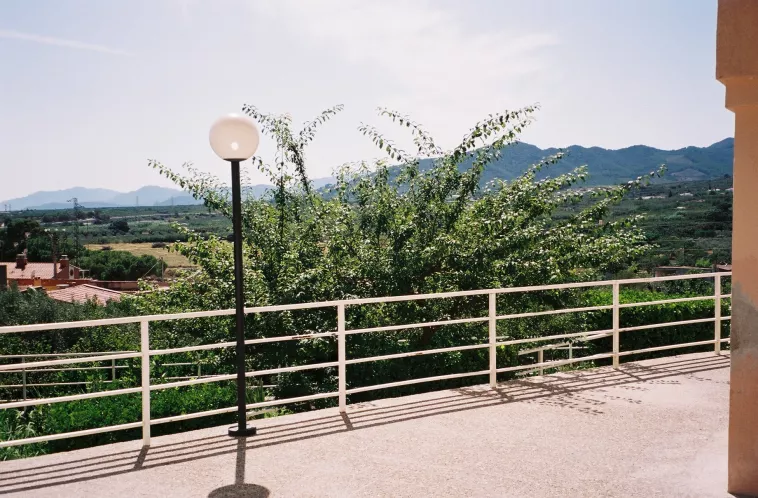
(240,489)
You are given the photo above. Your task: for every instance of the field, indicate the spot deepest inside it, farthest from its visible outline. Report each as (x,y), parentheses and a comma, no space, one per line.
(689,223)
(172,259)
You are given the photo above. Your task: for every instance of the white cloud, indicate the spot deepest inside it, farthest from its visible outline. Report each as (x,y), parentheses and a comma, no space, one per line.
(429,49)
(421,57)
(60,42)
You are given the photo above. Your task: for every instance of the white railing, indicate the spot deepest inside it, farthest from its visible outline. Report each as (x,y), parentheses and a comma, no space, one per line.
(343,361)
(112,367)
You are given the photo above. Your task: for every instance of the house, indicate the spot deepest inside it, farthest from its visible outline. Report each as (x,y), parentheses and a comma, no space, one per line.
(85,293)
(47,275)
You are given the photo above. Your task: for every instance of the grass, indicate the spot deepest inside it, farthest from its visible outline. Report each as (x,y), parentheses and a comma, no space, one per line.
(172,259)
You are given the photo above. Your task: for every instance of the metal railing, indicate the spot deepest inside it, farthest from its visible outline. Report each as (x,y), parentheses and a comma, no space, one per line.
(112,367)
(343,361)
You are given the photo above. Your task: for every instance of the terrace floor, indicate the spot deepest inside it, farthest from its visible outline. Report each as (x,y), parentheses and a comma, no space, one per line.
(652,428)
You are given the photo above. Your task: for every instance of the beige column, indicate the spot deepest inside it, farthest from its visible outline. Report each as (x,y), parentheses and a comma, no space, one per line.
(737,69)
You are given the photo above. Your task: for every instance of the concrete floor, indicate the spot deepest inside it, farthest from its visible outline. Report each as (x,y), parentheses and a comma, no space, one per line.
(654,428)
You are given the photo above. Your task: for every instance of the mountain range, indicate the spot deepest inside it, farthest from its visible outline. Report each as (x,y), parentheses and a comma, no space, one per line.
(611,167)
(606,167)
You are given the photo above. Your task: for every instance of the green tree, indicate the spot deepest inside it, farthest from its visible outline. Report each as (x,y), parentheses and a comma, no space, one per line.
(119,265)
(392,228)
(15,235)
(119,226)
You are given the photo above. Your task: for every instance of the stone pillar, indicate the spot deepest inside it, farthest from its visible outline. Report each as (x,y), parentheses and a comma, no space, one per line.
(737,69)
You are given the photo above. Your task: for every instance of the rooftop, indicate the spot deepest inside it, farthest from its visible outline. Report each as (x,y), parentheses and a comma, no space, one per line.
(650,428)
(34,270)
(85,292)
(31,270)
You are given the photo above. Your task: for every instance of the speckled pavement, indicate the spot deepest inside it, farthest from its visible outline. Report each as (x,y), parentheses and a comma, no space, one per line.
(653,428)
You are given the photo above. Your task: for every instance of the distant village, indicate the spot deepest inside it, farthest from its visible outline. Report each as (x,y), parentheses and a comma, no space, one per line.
(62,281)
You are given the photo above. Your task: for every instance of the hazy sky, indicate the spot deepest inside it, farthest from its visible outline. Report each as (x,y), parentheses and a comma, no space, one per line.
(91,89)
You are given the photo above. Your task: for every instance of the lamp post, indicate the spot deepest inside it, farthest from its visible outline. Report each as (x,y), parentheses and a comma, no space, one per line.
(235,138)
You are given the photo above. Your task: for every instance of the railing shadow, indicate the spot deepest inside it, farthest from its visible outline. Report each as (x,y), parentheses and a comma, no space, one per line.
(565,390)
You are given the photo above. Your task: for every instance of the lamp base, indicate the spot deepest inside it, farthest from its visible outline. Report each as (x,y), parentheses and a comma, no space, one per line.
(248,430)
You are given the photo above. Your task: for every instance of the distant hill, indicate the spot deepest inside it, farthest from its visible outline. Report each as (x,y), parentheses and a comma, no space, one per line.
(98,198)
(606,167)
(146,196)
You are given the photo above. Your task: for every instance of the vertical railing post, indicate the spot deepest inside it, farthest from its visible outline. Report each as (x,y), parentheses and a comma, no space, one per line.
(493,338)
(541,360)
(113,371)
(571,350)
(717,314)
(23,381)
(341,380)
(145,349)
(616,324)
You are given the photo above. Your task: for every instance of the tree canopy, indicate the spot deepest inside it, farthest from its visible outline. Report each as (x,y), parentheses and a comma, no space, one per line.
(390,228)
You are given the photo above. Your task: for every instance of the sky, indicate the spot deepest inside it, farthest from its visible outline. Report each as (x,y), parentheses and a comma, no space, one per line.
(90,90)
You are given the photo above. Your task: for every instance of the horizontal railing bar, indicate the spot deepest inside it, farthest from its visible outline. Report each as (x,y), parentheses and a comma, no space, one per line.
(52,355)
(73,369)
(554,364)
(66,435)
(389,328)
(415,381)
(82,383)
(69,361)
(563,345)
(726,317)
(555,312)
(420,297)
(663,348)
(726,296)
(188,416)
(299,337)
(666,324)
(287,401)
(668,301)
(114,321)
(73,397)
(193,381)
(552,337)
(186,349)
(673,277)
(415,353)
(327,334)
(346,302)
(257,373)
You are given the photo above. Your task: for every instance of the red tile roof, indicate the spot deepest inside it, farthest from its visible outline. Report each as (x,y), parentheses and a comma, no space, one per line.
(32,270)
(85,292)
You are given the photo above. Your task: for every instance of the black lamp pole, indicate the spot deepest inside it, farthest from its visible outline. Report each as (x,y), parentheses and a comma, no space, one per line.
(242,429)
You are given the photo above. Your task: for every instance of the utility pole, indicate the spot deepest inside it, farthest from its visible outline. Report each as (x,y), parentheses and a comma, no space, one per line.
(75,201)
(53,237)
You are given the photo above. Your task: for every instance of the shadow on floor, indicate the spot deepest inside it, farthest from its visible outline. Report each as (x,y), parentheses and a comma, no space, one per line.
(240,489)
(564,390)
